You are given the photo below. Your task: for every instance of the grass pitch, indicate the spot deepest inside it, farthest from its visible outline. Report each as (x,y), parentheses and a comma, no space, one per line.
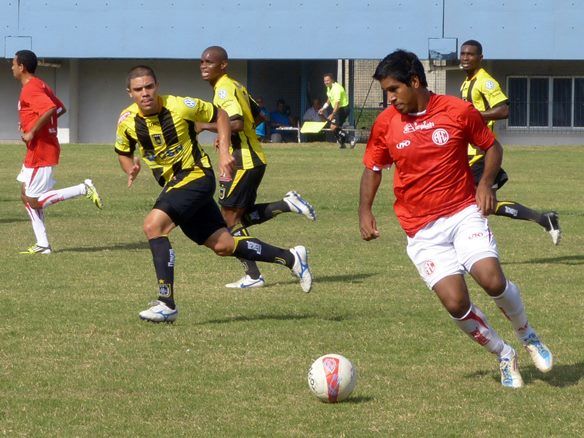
(75,360)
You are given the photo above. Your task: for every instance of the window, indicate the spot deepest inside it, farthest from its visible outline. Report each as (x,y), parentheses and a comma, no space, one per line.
(556,102)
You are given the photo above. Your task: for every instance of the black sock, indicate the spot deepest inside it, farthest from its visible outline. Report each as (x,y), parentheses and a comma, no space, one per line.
(249,266)
(251,248)
(261,213)
(517,211)
(163,257)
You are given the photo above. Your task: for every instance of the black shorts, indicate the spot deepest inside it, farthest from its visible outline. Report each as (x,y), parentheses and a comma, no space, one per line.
(191,206)
(477,172)
(340,116)
(242,190)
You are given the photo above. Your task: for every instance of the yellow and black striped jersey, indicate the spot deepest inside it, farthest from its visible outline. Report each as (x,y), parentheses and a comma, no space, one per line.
(167,141)
(233,97)
(484,93)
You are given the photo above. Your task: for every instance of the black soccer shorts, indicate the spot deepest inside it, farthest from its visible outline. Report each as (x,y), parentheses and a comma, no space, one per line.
(242,190)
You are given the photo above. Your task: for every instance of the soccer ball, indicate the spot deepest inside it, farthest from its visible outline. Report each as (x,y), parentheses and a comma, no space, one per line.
(332,378)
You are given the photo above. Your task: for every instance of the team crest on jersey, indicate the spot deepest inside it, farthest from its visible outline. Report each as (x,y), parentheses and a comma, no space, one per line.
(440,137)
(222,93)
(489,85)
(189,102)
(123,116)
(157,139)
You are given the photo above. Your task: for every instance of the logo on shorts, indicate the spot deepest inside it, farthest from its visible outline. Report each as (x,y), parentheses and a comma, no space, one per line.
(222,192)
(476,235)
(440,137)
(428,268)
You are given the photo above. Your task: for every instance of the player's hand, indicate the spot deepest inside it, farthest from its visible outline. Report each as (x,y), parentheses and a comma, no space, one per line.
(368,226)
(486,199)
(226,166)
(134,171)
(26,136)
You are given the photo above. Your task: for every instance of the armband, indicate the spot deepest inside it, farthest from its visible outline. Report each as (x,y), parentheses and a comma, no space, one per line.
(325,106)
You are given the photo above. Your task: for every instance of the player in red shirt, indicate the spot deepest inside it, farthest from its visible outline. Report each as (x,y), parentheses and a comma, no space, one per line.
(426,136)
(38,110)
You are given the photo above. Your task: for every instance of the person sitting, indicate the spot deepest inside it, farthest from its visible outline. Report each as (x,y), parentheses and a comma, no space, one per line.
(312,115)
(280,118)
(262,127)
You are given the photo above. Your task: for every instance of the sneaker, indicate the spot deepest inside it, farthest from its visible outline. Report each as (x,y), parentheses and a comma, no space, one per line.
(246,282)
(92,194)
(510,376)
(299,205)
(36,249)
(159,312)
(353,143)
(540,354)
(552,226)
(301,268)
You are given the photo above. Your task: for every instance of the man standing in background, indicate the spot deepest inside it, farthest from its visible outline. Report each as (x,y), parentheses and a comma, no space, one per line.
(339,102)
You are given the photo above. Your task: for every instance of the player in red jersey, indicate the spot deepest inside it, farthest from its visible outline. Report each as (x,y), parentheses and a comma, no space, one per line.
(426,136)
(38,110)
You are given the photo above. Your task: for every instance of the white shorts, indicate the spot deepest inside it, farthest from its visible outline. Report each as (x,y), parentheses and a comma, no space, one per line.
(451,245)
(36,180)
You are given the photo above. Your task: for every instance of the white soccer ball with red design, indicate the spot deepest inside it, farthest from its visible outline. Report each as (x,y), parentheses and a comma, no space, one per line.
(332,378)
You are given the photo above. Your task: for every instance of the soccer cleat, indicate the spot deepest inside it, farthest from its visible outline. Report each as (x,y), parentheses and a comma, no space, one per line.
(246,282)
(552,226)
(91,193)
(299,205)
(36,249)
(510,376)
(540,354)
(301,268)
(353,143)
(159,312)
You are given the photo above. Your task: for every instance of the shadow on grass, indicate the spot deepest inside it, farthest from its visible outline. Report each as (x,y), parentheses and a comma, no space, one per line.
(358,400)
(564,260)
(266,316)
(348,278)
(14,220)
(117,247)
(560,376)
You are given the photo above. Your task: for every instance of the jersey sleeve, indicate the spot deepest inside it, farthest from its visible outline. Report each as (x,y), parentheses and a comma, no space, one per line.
(125,144)
(41,101)
(475,128)
(226,100)
(196,110)
(492,92)
(377,156)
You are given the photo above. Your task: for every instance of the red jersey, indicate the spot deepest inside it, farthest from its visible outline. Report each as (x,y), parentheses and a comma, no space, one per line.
(36,98)
(432,177)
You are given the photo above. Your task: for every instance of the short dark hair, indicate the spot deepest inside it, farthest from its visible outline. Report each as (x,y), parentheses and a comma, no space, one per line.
(330,75)
(28,59)
(139,71)
(402,66)
(474,43)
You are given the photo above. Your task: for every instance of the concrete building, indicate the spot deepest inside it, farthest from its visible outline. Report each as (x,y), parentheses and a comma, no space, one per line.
(280,49)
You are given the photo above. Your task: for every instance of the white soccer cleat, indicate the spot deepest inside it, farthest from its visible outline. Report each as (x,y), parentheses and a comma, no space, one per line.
(553,226)
(540,354)
(36,249)
(301,268)
(246,282)
(159,312)
(91,193)
(299,205)
(510,377)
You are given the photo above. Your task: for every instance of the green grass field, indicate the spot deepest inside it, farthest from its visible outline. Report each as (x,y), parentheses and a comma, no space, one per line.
(75,360)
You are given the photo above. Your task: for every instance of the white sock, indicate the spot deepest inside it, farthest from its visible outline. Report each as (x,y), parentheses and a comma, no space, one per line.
(511,305)
(474,323)
(37,218)
(53,196)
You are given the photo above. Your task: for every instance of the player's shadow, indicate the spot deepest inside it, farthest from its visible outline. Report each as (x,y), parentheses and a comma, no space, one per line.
(345,278)
(272,317)
(359,399)
(560,376)
(116,247)
(577,259)
(14,220)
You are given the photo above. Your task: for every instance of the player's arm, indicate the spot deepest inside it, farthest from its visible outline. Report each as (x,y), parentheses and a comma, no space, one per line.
(236,124)
(486,197)
(498,112)
(131,167)
(324,107)
(226,160)
(370,181)
(41,121)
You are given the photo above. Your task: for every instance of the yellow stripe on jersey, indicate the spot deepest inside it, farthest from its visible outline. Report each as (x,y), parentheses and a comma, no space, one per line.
(233,97)
(167,141)
(238,176)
